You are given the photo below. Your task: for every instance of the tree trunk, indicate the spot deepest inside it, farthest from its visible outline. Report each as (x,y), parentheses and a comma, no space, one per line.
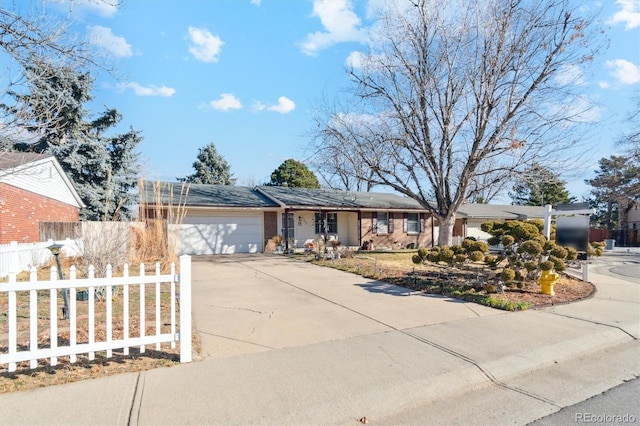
(445,237)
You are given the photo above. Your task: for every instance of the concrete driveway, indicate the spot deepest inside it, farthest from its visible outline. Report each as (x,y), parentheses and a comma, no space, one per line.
(253,303)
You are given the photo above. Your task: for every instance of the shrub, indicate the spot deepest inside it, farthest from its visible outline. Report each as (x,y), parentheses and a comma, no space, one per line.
(479,246)
(446,255)
(531,266)
(416,259)
(530,247)
(559,252)
(572,253)
(558,264)
(458,249)
(547,265)
(507,275)
(507,240)
(476,256)
(422,252)
(433,256)
(491,260)
(494,241)
(460,258)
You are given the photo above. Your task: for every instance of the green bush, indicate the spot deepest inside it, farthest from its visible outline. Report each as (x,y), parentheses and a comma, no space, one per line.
(547,265)
(433,256)
(572,253)
(422,252)
(458,249)
(558,264)
(559,252)
(416,259)
(460,258)
(476,256)
(446,255)
(531,266)
(530,247)
(507,240)
(494,241)
(507,274)
(491,259)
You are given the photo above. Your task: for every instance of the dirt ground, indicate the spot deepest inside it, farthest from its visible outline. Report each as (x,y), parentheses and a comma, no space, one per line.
(397,268)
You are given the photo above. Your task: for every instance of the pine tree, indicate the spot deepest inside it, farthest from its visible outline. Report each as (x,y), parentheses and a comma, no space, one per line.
(539,186)
(211,168)
(294,174)
(103,169)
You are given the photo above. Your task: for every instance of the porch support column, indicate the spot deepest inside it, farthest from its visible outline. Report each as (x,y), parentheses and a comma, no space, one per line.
(285,224)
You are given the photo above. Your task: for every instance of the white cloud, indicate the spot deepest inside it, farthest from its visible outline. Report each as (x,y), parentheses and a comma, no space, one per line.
(341,24)
(256,2)
(354,60)
(628,15)
(604,84)
(284,106)
(624,71)
(205,46)
(226,102)
(151,90)
(103,37)
(570,74)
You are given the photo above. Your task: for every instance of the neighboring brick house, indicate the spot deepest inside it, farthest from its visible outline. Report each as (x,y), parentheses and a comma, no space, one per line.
(33,189)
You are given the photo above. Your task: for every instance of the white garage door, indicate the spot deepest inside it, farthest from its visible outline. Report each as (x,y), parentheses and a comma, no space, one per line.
(227,234)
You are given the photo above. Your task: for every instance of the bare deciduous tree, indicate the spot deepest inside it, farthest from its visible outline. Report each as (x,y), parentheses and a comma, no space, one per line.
(31,34)
(455,97)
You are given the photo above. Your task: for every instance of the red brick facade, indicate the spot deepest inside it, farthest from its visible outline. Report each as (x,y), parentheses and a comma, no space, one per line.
(21,212)
(396,237)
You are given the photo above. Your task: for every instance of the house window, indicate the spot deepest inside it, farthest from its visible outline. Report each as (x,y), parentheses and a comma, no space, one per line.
(331,226)
(413,223)
(382,223)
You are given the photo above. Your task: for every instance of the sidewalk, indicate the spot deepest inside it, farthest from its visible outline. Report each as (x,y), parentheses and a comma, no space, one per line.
(372,356)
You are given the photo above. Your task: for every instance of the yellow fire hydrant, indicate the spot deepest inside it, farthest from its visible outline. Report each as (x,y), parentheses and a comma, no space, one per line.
(547,280)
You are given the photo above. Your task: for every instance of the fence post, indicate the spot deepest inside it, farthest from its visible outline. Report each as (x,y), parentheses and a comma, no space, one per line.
(185,308)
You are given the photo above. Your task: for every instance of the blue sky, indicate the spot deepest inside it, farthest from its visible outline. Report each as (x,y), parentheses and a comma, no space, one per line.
(247,75)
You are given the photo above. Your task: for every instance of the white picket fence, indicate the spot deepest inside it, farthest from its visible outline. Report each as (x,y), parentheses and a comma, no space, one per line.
(17,257)
(121,286)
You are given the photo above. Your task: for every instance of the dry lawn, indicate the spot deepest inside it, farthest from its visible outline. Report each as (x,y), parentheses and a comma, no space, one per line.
(397,268)
(83,369)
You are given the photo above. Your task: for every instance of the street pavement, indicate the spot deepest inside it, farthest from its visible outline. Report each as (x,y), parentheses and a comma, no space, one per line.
(286,342)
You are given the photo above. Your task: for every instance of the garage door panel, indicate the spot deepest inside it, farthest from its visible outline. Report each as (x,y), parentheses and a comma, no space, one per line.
(221,235)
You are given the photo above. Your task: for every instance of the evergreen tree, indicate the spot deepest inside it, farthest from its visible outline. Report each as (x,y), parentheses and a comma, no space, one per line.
(539,186)
(102,168)
(294,174)
(211,168)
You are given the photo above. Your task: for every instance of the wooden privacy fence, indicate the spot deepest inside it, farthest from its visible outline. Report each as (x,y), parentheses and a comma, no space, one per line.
(96,331)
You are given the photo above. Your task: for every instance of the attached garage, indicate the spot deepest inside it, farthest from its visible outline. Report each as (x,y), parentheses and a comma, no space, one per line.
(211,219)
(222,233)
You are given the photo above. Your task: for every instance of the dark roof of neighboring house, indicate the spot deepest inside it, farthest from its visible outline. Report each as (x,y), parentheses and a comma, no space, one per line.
(190,194)
(9,160)
(493,211)
(307,198)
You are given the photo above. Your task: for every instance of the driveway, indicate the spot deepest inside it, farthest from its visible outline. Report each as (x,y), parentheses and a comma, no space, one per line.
(253,303)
